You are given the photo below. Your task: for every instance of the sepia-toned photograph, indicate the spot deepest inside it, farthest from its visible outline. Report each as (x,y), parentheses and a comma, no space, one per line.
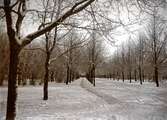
(83,59)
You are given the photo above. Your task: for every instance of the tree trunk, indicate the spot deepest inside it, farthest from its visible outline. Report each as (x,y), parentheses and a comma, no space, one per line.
(19,79)
(123,77)
(130,76)
(73,75)
(117,76)
(2,76)
(156,76)
(143,75)
(52,76)
(140,75)
(70,75)
(67,75)
(93,75)
(46,78)
(113,75)
(135,75)
(12,87)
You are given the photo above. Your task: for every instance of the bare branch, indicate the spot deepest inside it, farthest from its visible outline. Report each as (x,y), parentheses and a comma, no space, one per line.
(15,4)
(62,54)
(21,14)
(9,21)
(29,49)
(70,12)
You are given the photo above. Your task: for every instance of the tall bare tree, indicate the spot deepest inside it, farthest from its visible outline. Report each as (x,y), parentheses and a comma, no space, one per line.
(157,38)
(129,61)
(50,42)
(123,62)
(17,42)
(141,41)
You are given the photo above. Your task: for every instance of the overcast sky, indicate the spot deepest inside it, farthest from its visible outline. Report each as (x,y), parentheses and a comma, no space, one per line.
(118,35)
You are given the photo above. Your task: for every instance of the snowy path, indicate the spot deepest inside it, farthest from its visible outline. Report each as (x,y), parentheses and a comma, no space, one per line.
(109,100)
(132,101)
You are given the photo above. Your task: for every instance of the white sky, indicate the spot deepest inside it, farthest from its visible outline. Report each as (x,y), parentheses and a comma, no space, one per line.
(134,29)
(120,34)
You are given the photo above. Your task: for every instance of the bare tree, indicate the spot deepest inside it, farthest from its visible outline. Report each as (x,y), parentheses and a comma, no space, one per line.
(129,62)
(140,49)
(94,51)
(50,42)
(70,57)
(123,62)
(17,42)
(158,39)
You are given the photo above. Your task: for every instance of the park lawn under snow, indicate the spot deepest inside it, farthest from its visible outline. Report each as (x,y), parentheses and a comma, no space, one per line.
(109,100)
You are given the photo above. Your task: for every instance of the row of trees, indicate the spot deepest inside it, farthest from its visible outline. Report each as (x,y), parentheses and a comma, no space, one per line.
(49,17)
(15,12)
(143,57)
(70,58)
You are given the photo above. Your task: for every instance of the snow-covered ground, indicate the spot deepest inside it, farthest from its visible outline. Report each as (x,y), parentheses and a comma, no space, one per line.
(109,100)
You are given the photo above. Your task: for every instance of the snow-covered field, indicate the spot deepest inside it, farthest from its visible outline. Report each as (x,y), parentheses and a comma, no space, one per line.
(109,100)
